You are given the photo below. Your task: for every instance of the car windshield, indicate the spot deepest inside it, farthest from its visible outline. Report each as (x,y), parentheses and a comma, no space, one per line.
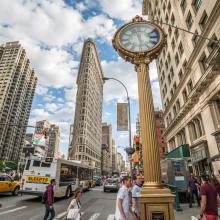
(111,181)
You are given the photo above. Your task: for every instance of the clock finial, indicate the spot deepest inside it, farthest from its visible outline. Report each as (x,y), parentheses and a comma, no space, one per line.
(137,18)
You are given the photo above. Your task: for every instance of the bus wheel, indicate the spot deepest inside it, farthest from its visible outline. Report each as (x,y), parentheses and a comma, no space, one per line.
(68,192)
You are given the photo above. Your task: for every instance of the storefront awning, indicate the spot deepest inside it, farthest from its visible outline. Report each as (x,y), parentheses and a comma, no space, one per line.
(180,152)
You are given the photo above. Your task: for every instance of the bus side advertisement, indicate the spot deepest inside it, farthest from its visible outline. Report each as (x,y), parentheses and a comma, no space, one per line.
(38,179)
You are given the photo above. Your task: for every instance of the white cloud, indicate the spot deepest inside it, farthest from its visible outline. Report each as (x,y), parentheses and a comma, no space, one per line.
(125,72)
(41,90)
(123,9)
(45,29)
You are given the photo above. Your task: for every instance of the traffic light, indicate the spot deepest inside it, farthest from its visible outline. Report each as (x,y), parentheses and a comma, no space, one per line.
(46,133)
(136,142)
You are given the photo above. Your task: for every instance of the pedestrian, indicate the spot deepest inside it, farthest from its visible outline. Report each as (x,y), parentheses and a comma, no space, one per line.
(75,203)
(122,201)
(136,207)
(193,190)
(49,201)
(209,205)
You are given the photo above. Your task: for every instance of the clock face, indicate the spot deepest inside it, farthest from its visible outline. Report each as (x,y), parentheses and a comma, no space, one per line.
(139,37)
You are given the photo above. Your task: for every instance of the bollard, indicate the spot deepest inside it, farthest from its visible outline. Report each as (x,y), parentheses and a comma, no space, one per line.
(174,190)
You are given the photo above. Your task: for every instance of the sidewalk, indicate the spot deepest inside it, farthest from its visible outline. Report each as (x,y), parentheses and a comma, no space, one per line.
(187,212)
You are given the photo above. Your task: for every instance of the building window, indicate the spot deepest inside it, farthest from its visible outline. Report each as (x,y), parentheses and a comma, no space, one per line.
(212,44)
(195,38)
(203,62)
(172,144)
(189,20)
(170,30)
(180,74)
(171,72)
(169,79)
(183,5)
(174,110)
(169,7)
(173,44)
(171,93)
(196,129)
(167,18)
(180,48)
(166,64)
(174,86)
(172,19)
(176,33)
(177,59)
(178,105)
(184,65)
(190,86)
(184,93)
(181,137)
(168,57)
(196,5)
(203,21)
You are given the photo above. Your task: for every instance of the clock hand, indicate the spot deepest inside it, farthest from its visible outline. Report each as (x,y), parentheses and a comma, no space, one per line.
(140,40)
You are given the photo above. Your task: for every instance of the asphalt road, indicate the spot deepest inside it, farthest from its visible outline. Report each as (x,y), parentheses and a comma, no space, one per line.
(96,205)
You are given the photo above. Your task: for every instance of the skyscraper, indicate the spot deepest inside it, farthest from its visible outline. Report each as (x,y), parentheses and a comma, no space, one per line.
(17,87)
(86,132)
(188,69)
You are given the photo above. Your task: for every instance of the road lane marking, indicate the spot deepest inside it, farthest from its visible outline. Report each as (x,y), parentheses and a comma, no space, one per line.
(13,210)
(111,217)
(97,189)
(94,216)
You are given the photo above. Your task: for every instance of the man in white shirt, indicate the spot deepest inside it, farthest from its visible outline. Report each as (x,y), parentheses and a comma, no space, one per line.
(136,207)
(122,202)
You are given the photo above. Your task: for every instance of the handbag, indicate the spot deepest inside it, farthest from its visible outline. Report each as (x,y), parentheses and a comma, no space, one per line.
(73,214)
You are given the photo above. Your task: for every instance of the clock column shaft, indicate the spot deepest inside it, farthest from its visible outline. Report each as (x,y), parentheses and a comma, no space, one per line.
(151,155)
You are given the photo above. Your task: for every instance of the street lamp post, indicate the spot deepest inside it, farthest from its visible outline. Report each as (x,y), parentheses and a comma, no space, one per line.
(129,111)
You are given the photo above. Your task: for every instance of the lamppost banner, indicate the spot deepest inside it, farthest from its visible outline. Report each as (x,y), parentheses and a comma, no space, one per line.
(122,116)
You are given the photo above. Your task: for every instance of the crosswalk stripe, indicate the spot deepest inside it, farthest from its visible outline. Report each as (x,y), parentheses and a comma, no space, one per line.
(12,210)
(94,216)
(62,214)
(111,217)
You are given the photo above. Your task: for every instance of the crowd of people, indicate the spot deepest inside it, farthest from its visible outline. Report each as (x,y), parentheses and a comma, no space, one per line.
(206,191)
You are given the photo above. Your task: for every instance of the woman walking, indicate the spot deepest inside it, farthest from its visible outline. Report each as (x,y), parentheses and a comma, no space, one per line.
(75,204)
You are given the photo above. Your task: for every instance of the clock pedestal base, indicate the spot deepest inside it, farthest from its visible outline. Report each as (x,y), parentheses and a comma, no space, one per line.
(156,201)
(156,204)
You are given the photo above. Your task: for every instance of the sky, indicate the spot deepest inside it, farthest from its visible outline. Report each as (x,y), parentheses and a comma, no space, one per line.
(53,32)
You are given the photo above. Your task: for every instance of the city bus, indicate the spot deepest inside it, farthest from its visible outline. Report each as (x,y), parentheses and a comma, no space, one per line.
(68,175)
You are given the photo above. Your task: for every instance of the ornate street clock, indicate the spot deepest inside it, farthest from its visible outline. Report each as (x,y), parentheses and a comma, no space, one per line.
(138,42)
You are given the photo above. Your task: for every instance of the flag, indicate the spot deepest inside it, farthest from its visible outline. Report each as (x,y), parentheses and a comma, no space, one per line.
(38,139)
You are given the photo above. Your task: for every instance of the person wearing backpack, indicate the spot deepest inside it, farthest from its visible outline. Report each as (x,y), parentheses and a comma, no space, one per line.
(48,198)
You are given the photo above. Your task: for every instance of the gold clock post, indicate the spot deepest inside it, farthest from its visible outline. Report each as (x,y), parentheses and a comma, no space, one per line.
(156,200)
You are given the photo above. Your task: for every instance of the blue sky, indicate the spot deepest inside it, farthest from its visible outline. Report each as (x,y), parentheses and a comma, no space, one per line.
(53,32)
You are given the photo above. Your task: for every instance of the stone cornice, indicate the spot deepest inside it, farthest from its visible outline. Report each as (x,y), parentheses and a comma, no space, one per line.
(193,98)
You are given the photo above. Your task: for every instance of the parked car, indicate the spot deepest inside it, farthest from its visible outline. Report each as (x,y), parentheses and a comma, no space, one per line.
(8,185)
(111,185)
(98,181)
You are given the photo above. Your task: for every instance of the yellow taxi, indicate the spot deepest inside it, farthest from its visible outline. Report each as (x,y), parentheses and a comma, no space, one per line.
(7,184)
